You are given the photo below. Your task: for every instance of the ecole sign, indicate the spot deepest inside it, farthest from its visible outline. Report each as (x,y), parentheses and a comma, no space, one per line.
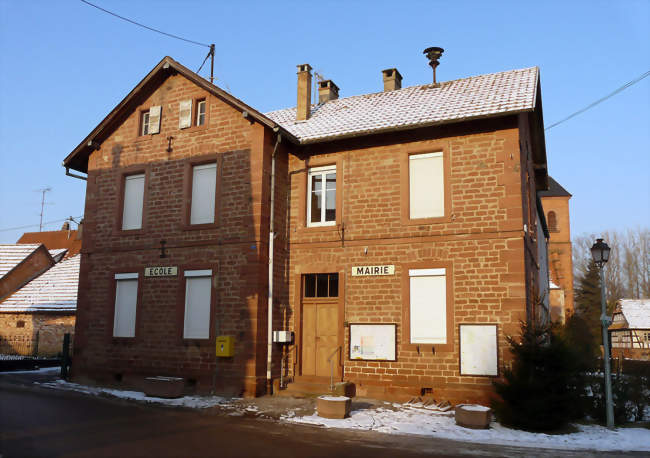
(161,271)
(361,271)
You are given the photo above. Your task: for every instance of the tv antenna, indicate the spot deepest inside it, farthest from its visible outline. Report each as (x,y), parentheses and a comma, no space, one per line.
(43,191)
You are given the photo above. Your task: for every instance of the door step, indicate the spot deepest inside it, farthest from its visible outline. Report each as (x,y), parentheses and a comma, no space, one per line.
(310,389)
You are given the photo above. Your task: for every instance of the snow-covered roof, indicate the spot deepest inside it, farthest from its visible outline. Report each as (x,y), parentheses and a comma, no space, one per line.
(552,285)
(636,312)
(12,255)
(451,101)
(55,290)
(57,254)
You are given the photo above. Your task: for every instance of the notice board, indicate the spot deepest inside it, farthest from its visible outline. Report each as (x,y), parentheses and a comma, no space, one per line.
(478,349)
(376,342)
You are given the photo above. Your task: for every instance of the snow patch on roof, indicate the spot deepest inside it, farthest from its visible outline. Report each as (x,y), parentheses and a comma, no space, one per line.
(468,98)
(636,312)
(12,255)
(552,285)
(55,290)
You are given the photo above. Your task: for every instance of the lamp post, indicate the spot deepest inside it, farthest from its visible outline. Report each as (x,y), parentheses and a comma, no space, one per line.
(600,254)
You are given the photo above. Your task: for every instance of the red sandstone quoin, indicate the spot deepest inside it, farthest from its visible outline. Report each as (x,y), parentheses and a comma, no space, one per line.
(436,185)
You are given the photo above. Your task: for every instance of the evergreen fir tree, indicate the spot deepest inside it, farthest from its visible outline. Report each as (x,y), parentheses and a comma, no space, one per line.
(587,302)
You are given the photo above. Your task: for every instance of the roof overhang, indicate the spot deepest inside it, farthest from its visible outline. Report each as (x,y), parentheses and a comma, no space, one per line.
(78,158)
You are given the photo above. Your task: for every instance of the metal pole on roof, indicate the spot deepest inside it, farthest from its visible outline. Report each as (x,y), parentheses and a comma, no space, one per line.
(212,63)
(43,191)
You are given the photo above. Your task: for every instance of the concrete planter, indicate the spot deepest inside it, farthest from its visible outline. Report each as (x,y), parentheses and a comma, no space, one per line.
(333,406)
(164,387)
(473,416)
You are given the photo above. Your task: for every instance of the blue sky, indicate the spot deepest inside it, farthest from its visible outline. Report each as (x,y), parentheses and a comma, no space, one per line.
(65,65)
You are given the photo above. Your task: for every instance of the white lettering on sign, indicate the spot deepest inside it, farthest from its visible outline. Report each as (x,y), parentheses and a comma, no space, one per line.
(361,271)
(161,271)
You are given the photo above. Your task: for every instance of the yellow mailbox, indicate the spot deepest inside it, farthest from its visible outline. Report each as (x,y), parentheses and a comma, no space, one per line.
(225,346)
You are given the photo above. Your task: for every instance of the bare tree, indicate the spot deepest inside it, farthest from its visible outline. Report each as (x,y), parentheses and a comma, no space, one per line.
(627,274)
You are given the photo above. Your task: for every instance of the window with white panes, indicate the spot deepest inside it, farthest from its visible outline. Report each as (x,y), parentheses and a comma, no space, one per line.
(200,113)
(133,202)
(198,297)
(126,300)
(426,185)
(144,123)
(321,199)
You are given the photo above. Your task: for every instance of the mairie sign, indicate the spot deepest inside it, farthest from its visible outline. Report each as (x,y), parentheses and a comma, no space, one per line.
(161,271)
(360,271)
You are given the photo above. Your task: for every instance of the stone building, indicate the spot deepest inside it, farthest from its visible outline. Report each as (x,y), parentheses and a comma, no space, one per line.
(396,237)
(555,201)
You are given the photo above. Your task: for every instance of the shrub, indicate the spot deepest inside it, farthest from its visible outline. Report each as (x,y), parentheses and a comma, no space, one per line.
(629,393)
(544,390)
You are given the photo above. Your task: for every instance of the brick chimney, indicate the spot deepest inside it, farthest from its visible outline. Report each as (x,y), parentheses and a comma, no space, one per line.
(327,91)
(392,79)
(303,107)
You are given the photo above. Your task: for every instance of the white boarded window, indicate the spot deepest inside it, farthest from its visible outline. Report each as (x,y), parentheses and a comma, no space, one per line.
(428,306)
(478,349)
(185,114)
(204,186)
(198,292)
(133,202)
(126,299)
(426,185)
(154,119)
(321,196)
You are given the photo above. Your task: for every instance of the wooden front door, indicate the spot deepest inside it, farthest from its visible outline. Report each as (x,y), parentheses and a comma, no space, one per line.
(320,325)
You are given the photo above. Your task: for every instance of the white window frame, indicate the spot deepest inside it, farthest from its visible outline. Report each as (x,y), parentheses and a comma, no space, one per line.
(437,272)
(419,156)
(125,277)
(322,171)
(126,202)
(144,123)
(196,274)
(212,197)
(200,111)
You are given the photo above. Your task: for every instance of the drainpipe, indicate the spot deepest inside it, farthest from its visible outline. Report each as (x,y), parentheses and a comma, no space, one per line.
(269,337)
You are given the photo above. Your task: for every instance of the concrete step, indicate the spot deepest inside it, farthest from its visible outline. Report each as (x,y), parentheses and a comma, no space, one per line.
(303,389)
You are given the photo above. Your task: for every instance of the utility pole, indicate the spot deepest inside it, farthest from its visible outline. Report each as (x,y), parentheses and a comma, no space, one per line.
(42,191)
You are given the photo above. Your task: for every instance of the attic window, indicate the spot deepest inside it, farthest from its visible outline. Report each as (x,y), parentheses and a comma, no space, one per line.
(200,112)
(144,123)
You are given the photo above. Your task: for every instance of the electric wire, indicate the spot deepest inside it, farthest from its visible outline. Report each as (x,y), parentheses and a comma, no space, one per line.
(611,94)
(145,26)
(8,229)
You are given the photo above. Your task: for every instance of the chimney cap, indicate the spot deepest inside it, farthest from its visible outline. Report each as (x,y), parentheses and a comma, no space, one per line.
(328,84)
(304,68)
(390,71)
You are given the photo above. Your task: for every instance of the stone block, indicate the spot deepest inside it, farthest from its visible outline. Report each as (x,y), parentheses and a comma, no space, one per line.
(164,387)
(345,389)
(333,406)
(473,416)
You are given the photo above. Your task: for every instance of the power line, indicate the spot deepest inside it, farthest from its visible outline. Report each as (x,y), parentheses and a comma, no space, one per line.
(8,229)
(612,94)
(145,26)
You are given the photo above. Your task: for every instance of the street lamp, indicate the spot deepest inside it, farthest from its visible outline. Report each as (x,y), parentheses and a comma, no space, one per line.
(600,254)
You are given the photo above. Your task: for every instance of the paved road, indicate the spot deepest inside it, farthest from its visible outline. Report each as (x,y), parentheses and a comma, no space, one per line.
(40,422)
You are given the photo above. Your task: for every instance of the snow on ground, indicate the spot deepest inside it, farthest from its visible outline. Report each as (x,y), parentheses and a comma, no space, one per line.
(44,370)
(194,402)
(408,419)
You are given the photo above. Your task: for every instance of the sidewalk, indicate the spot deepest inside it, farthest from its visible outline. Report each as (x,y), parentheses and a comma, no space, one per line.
(367,415)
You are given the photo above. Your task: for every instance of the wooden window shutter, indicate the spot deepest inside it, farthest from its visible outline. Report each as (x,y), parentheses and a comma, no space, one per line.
(204,183)
(426,185)
(428,303)
(185,114)
(133,202)
(154,119)
(126,299)
(198,292)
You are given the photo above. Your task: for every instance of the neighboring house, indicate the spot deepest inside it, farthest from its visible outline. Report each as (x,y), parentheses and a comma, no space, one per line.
(630,329)
(66,238)
(403,226)
(35,315)
(555,201)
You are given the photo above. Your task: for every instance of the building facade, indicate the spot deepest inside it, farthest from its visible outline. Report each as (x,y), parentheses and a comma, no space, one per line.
(630,329)
(396,237)
(555,201)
